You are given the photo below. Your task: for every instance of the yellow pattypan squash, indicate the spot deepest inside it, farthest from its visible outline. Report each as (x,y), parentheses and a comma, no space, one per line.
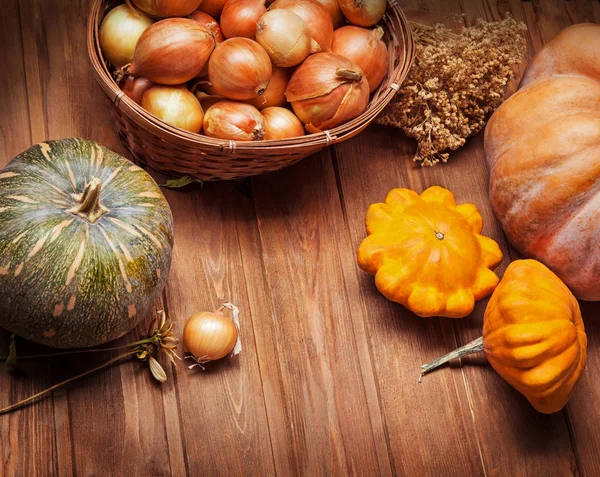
(427,253)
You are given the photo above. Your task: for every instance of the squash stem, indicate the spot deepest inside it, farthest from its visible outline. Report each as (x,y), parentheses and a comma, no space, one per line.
(470,348)
(30,399)
(88,203)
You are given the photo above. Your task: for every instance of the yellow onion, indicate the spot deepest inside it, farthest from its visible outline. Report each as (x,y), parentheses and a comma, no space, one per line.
(274,95)
(135,87)
(212,7)
(315,16)
(327,90)
(211,336)
(240,69)
(365,48)
(333,7)
(281,123)
(119,33)
(363,13)
(210,23)
(175,105)
(239,17)
(234,121)
(171,51)
(167,8)
(285,38)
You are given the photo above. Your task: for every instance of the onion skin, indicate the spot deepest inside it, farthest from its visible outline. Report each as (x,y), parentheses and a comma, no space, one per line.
(333,7)
(275,92)
(234,121)
(167,8)
(239,17)
(212,7)
(365,48)
(363,13)
(326,91)
(135,87)
(209,336)
(172,51)
(285,38)
(119,33)
(316,16)
(281,123)
(240,69)
(175,106)
(210,23)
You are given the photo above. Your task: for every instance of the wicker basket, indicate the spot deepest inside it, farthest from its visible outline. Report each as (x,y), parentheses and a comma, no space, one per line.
(175,151)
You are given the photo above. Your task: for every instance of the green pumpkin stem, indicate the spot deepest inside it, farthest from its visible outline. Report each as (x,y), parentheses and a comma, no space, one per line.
(88,204)
(470,348)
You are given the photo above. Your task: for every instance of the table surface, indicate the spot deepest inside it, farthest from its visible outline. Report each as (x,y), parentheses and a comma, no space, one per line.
(327,381)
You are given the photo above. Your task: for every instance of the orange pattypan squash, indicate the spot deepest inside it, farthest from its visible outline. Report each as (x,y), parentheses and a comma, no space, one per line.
(533,336)
(427,253)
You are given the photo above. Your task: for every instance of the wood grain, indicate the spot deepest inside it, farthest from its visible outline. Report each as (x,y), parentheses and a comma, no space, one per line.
(327,380)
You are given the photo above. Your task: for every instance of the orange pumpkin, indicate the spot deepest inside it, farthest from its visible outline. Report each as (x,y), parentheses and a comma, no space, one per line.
(543,150)
(533,336)
(427,253)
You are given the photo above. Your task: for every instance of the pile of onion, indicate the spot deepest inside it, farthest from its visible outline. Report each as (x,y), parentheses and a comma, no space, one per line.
(248,70)
(365,48)
(239,17)
(327,90)
(172,51)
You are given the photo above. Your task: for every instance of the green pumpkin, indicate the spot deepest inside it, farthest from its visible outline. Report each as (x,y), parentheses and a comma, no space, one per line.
(86,239)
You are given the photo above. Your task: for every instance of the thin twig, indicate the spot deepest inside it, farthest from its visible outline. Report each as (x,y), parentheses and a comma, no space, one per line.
(30,399)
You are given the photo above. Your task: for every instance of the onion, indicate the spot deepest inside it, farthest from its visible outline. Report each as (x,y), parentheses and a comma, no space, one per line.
(365,48)
(240,69)
(363,12)
(212,7)
(171,52)
(235,121)
(136,86)
(175,105)
(210,23)
(327,90)
(274,95)
(317,19)
(167,8)
(285,38)
(211,336)
(281,123)
(333,7)
(239,17)
(119,33)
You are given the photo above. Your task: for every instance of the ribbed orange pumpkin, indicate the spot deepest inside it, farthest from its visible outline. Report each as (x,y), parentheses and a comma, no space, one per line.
(543,149)
(427,253)
(533,336)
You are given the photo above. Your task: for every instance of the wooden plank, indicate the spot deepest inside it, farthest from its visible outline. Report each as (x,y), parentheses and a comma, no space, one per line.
(583,410)
(223,417)
(24,449)
(328,410)
(64,101)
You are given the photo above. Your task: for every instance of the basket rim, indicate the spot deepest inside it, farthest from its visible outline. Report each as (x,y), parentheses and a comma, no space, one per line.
(381,98)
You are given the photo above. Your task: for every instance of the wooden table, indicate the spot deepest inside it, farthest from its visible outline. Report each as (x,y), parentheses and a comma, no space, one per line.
(327,382)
